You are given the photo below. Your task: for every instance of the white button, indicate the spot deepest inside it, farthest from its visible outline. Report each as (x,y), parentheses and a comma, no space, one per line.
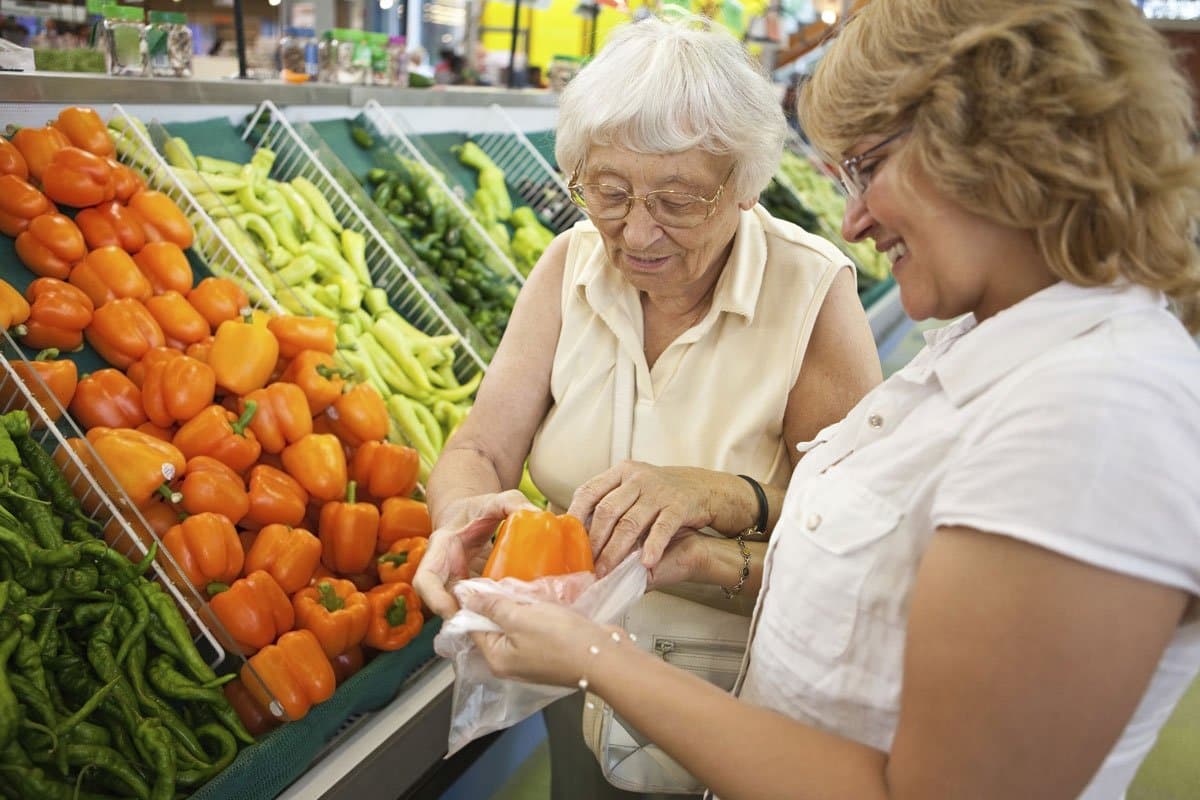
(813,521)
(875,421)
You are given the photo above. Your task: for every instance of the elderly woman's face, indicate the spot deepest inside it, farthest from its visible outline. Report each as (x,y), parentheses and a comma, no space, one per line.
(657,258)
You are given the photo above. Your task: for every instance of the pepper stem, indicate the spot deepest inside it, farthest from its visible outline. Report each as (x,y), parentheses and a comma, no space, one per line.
(239,426)
(397,612)
(351,491)
(49,354)
(329,597)
(396,559)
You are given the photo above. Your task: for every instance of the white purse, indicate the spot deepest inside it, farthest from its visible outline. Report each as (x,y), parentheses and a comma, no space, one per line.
(691,635)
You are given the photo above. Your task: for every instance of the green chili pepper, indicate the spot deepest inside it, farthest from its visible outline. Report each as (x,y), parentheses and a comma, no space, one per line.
(173,684)
(86,732)
(32,782)
(81,579)
(228,749)
(47,527)
(136,603)
(9,457)
(168,614)
(154,706)
(33,698)
(156,741)
(109,760)
(17,545)
(10,713)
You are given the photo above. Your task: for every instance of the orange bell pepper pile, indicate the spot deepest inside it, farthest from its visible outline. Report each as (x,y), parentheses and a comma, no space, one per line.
(261,469)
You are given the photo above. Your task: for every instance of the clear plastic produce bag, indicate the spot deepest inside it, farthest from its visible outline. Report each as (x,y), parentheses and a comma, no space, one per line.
(484,703)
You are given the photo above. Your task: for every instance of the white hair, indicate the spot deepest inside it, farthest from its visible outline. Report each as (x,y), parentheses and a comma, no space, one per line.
(664,86)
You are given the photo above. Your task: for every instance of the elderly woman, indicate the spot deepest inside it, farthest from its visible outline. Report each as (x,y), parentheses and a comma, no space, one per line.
(677,339)
(984,582)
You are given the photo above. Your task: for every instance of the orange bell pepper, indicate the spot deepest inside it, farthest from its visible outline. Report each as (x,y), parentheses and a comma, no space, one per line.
(243,355)
(108,273)
(107,399)
(383,469)
(220,433)
(14,309)
(294,673)
(157,431)
(399,564)
(58,314)
(318,463)
(210,485)
(218,300)
(177,389)
(348,531)
(181,324)
(58,380)
(51,245)
(206,549)
(347,663)
(252,713)
(318,377)
(254,610)
(11,160)
(297,334)
(126,182)
(166,267)
(20,202)
(141,464)
(275,498)
(112,224)
(77,178)
(282,417)
(162,219)
(85,130)
(137,370)
(360,415)
(533,544)
(290,555)
(38,146)
(335,611)
(200,350)
(395,616)
(122,331)
(402,518)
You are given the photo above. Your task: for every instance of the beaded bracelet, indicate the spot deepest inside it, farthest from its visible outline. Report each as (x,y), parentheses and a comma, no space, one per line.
(730,591)
(595,651)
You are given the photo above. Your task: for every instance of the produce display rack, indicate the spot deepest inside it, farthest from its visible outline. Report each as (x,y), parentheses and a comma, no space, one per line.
(109,505)
(398,136)
(526,170)
(300,152)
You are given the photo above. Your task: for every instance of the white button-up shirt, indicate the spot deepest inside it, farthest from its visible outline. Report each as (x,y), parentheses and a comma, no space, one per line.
(1070,420)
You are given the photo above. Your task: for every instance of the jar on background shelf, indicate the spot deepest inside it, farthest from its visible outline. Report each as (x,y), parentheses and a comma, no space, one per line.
(124,41)
(169,45)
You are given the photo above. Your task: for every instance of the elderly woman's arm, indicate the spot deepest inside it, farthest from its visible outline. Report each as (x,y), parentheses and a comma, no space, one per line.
(634,502)
(1022,667)
(472,487)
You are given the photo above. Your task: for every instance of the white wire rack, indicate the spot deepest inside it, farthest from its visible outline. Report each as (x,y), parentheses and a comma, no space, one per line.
(221,257)
(299,151)
(101,496)
(526,171)
(398,136)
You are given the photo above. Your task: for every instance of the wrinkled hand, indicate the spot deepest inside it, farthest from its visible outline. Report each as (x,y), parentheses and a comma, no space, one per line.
(685,559)
(454,552)
(632,501)
(541,642)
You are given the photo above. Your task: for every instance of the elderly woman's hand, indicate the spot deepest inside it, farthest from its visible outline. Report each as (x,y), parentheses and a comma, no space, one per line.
(541,642)
(632,502)
(455,550)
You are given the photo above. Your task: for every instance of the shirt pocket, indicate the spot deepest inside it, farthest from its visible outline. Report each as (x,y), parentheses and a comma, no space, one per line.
(834,528)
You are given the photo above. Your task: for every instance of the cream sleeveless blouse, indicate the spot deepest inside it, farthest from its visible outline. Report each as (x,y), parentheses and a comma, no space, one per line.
(716,397)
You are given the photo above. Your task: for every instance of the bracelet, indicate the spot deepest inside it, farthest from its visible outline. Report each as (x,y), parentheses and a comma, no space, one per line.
(763,510)
(730,591)
(595,651)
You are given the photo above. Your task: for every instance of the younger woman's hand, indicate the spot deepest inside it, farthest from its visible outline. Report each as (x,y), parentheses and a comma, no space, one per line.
(541,643)
(454,551)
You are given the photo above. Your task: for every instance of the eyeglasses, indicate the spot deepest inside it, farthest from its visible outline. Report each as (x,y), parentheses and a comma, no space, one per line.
(854,179)
(673,209)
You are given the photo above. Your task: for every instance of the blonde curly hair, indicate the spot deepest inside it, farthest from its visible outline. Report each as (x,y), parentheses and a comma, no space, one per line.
(1067,118)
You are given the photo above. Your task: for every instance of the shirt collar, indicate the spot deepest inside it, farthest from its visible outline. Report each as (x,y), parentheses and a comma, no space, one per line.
(600,285)
(1040,322)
